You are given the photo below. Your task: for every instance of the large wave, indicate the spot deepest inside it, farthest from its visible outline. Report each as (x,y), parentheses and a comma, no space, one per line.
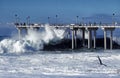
(33,41)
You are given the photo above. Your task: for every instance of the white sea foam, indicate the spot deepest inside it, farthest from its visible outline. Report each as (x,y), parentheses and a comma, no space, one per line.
(117,40)
(61,65)
(34,41)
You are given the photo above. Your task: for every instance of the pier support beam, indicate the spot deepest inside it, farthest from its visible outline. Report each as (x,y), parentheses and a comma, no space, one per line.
(89,39)
(94,39)
(90,29)
(111,38)
(19,33)
(105,43)
(111,29)
(83,37)
(73,39)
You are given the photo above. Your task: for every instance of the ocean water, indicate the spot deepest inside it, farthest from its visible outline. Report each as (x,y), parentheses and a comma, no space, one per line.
(25,58)
(60,64)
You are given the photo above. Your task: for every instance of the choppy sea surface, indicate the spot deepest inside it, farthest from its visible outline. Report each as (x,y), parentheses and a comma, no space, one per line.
(61,64)
(25,58)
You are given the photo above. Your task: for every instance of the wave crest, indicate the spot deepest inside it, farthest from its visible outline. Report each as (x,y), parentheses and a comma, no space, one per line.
(33,41)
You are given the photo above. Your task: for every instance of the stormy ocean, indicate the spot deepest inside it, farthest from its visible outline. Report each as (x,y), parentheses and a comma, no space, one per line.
(33,57)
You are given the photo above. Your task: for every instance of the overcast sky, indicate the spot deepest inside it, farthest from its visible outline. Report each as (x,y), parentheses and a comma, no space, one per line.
(67,10)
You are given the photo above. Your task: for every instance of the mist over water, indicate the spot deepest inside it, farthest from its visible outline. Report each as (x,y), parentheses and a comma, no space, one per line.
(33,41)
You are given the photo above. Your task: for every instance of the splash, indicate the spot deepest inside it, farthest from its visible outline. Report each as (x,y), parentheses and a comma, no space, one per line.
(34,41)
(117,40)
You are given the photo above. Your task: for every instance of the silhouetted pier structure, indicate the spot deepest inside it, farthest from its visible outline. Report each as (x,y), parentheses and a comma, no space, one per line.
(74,28)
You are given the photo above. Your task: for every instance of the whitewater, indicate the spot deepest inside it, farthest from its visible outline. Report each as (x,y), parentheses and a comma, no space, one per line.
(33,41)
(25,58)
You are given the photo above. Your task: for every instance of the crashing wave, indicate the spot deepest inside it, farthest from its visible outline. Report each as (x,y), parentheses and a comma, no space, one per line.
(33,41)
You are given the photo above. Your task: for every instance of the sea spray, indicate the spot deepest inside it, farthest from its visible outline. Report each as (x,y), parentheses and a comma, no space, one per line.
(34,41)
(117,40)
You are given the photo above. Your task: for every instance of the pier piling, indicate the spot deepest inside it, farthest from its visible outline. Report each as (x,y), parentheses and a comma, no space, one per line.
(105,44)
(73,29)
(73,39)
(94,39)
(19,33)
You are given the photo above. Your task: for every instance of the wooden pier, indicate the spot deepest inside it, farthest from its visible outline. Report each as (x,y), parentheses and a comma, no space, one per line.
(74,28)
